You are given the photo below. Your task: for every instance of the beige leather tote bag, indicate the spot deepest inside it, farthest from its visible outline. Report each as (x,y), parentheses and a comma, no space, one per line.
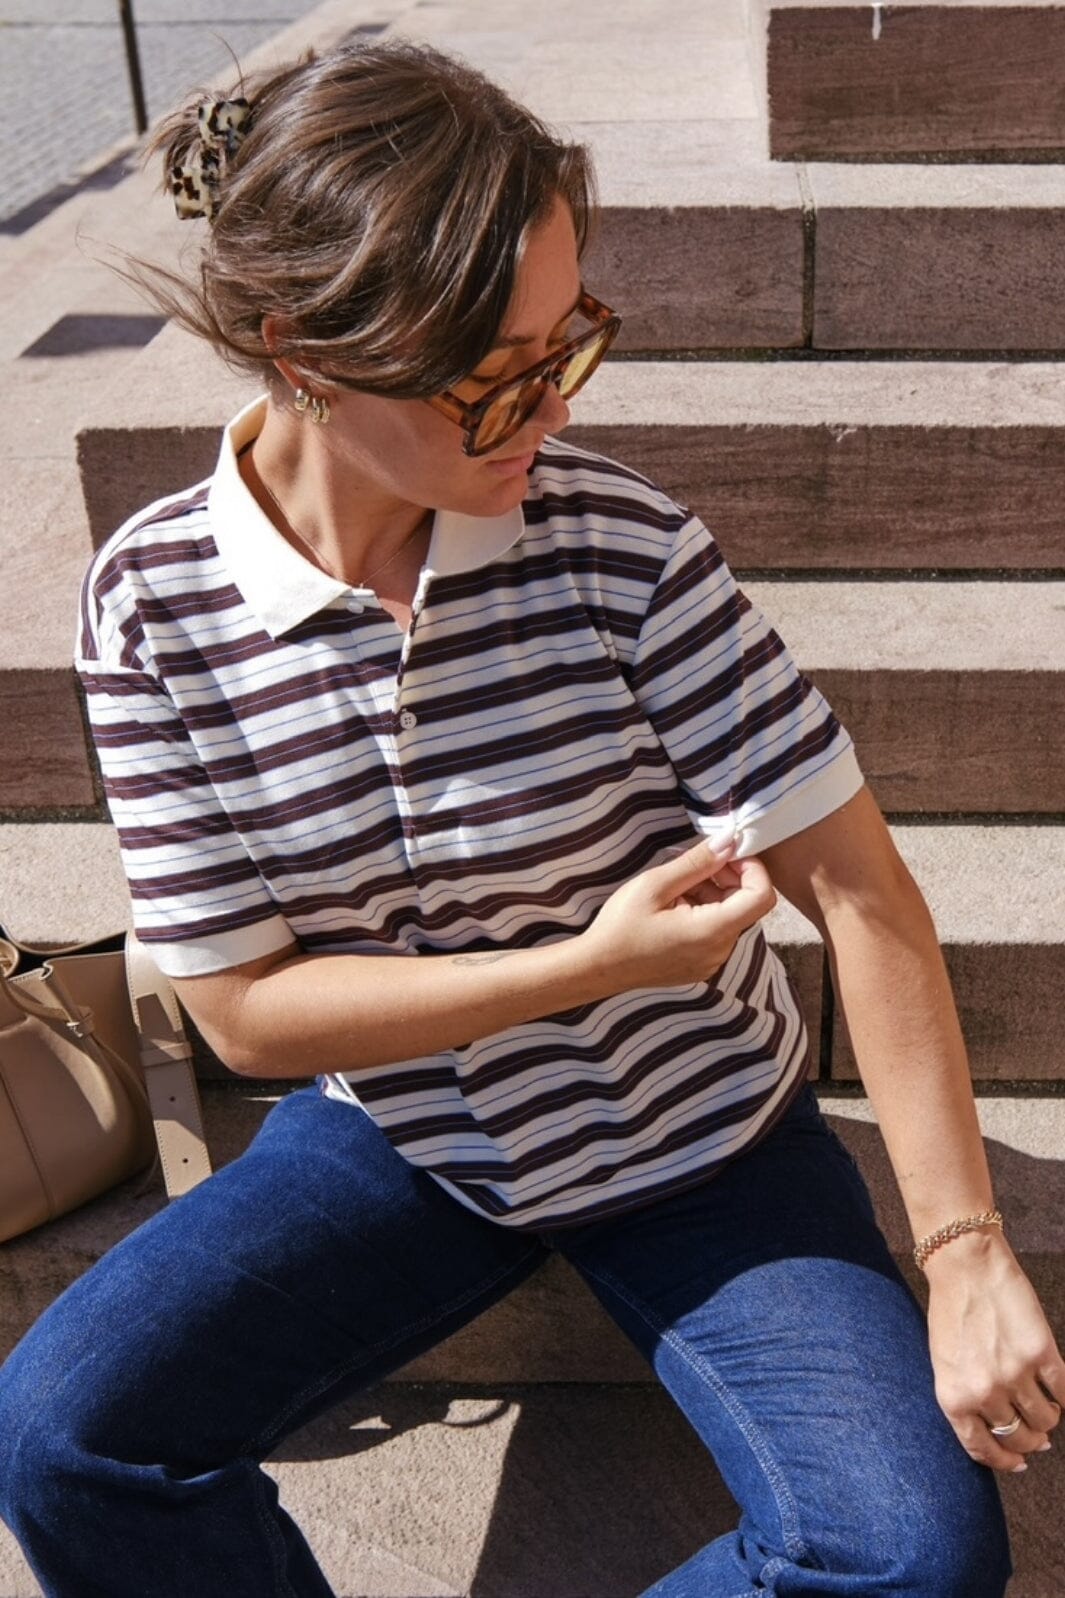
(94,1059)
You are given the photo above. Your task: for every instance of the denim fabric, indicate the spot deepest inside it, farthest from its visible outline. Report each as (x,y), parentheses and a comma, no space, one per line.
(134,1414)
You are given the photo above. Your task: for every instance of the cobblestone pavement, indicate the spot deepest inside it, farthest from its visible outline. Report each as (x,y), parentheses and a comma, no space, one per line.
(64,89)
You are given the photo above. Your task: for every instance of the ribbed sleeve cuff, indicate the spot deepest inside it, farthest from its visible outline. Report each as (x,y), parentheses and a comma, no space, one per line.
(200,956)
(812,802)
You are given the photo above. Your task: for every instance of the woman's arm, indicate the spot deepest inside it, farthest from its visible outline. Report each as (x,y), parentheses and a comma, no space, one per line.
(292,1015)
(891,983)
(990,1342)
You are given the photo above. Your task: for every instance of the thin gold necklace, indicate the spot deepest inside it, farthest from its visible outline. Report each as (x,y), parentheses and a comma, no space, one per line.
(317,552)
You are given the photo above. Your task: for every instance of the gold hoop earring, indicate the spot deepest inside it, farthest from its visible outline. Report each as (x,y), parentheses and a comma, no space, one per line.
(302,400)
(319,409)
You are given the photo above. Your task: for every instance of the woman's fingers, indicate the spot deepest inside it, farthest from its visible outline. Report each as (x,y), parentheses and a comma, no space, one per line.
(1040,1413)
(673,923)
(1003,1453)
(1038,1418)
(712,890)
(678,877)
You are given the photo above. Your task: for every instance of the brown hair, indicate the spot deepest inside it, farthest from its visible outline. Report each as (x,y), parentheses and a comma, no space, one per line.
(379,203)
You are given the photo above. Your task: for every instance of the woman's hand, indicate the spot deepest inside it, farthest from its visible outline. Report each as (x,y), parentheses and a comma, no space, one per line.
(993,1352)
(679,922)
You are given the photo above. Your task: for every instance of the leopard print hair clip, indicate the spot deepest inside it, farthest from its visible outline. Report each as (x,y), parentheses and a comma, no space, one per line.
(223,125)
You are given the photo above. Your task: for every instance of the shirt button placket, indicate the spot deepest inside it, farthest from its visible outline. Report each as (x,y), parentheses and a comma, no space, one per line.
(406,721)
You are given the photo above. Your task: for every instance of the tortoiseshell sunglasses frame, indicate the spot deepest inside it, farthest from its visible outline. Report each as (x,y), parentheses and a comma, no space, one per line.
(469,417)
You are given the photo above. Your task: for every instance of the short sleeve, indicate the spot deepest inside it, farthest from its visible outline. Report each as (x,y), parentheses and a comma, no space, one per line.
(198,902)
(755,746)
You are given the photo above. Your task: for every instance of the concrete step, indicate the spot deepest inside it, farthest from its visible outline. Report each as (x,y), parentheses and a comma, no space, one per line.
(817,467)
(706,244)
(712,253)
(519,1438)
(993,890)
(829,466)
(806,465)
(63,266)
(710,245)
(946,80)
(951,691)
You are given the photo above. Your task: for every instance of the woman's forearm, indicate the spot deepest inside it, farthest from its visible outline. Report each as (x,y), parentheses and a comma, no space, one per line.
(344,1012)
(892,985)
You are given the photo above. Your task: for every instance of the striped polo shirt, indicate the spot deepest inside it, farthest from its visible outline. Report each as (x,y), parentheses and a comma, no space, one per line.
(583,691)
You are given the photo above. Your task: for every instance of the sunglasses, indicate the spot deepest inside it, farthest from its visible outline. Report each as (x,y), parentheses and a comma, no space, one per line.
(503,410)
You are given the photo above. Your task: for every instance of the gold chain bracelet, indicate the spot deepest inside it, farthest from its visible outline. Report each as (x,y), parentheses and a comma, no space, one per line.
(954,1229)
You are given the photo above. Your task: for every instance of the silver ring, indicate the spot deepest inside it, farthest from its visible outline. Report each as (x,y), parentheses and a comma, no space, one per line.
(1007,1431)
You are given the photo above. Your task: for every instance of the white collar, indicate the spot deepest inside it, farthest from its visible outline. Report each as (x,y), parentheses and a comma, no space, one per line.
(279,584)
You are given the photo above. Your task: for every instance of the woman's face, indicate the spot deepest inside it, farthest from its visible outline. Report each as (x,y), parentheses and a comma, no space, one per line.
(411,452)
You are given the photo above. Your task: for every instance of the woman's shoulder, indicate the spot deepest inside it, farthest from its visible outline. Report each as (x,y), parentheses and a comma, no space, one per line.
(162,546)
(580,492)
(169,530)
(171,517)
(591,470)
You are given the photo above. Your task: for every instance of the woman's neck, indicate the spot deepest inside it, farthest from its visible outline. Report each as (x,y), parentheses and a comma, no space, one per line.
(330,512)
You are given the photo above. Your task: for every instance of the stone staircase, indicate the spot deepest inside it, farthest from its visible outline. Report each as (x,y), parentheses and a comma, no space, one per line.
(835,234)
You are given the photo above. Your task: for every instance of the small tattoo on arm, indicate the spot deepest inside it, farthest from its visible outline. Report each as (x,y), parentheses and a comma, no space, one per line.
(481,959)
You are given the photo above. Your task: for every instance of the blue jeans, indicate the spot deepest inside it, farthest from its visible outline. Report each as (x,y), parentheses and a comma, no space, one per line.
(134,1414)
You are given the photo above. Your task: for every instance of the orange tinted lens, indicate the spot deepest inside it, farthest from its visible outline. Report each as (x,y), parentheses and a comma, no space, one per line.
(583,364)
(503,418)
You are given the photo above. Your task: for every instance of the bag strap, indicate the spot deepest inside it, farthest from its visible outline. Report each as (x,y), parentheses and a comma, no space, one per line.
(166,1056)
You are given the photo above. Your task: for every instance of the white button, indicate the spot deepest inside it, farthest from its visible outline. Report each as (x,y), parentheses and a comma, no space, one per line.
(407,720)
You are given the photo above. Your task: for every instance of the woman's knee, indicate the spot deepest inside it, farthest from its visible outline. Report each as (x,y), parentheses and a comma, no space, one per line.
(959,1547)
(68,1392)
(33,1427)
(946,1536)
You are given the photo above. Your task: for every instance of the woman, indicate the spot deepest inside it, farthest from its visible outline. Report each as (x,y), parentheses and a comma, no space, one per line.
(452,769)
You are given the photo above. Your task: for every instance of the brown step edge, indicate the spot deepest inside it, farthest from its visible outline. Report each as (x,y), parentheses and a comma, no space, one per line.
(947,258)
(846,465)
(995,893)
(946,80)
(541,1390)
(949,689)
(701,242)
